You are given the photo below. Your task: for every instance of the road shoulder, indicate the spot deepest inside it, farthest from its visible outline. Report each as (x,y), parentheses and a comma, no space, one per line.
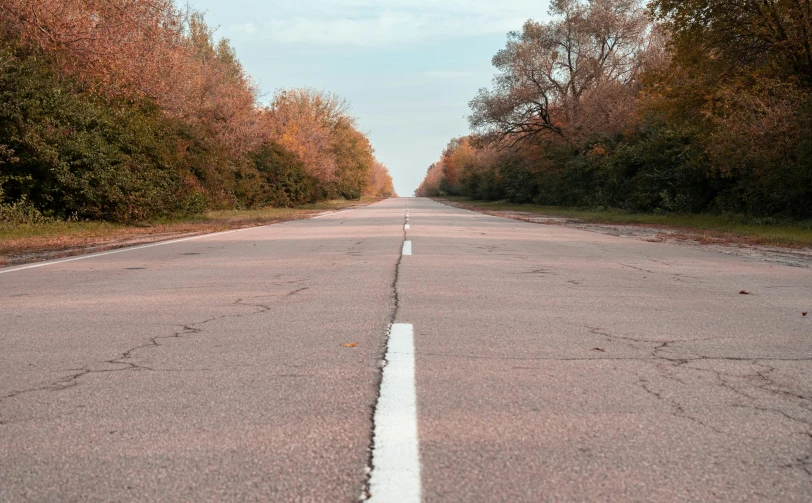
(694,238)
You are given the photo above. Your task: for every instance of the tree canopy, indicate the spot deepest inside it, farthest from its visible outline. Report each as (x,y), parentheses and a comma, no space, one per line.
(126,110)
(677,106)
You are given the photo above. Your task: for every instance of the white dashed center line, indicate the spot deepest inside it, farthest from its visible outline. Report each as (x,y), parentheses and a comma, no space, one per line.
(407,248)
(395,473)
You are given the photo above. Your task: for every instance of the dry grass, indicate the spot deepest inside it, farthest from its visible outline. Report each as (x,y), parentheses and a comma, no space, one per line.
(31,243)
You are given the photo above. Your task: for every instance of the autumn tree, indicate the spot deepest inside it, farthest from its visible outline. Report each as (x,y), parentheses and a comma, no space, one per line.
(690,106)
(379,183)
(550,72)
(320,129)
(430,186)
(740,75)
(130,109)
(301,121)
(772,37)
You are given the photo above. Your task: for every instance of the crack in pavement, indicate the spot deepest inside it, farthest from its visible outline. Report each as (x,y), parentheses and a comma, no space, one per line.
(754,386)
(125,358)
(804,464)
(759,378)
(395,296)
(596,358)
(299,290)
(678,408)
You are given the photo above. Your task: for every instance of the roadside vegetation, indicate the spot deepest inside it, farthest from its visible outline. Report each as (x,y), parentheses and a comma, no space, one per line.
(694,113)
(132,113)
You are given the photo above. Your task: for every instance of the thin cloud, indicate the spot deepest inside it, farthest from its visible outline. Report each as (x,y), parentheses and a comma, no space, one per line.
(244,28)
(384,22)
(447,75)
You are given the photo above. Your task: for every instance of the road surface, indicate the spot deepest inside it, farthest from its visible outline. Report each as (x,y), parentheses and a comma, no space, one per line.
(528,363)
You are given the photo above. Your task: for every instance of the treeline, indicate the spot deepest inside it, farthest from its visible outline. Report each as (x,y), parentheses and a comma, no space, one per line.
(678,106)
(126,110)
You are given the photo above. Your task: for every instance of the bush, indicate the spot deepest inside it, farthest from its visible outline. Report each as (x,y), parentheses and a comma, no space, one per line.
(77,154)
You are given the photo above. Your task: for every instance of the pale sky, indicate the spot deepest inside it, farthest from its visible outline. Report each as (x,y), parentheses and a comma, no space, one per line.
(408,68)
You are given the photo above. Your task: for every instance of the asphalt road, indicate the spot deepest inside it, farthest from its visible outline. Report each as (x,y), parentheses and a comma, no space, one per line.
(548,364)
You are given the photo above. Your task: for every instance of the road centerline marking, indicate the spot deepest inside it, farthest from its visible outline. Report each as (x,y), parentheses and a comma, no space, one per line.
(407,248)
(395,475)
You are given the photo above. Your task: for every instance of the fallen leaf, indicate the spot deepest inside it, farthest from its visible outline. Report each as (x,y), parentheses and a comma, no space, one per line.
(599,349)
(351,345)
(803,313)
(744,292)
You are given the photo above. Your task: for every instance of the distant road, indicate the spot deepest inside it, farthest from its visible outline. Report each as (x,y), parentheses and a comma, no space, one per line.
(527,363)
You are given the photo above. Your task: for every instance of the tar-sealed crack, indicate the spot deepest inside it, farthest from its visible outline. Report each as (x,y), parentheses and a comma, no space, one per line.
(753,386)
(795,407)
(125,359)
(395,296)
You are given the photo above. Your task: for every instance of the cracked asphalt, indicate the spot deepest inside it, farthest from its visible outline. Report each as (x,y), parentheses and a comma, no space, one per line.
(552,364)
(207,370)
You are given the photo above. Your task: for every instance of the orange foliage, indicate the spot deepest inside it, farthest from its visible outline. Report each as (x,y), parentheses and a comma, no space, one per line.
(151,50)
(145,48)
(380,182)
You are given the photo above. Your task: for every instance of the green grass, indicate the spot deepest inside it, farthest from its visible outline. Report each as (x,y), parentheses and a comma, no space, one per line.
(746,229)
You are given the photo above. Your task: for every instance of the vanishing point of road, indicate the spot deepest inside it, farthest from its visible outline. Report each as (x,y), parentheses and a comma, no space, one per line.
(404,351)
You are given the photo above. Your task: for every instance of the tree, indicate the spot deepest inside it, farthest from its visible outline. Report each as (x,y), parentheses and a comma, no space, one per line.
(379,183)
(128,109)
(772,37)
(548,71)
(430,186)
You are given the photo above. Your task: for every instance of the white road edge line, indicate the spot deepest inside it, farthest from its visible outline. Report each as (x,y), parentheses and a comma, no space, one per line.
(140,247)
(395,476)
(407,248)
(328,213)
(122,250)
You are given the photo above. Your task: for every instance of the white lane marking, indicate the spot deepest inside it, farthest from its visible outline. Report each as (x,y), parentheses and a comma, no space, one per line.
(122,250)
(406,227)
(395,474)
(328,213)
(150,245)
(407,248)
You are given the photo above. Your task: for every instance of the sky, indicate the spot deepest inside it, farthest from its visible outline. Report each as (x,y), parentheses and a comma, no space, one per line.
(407,68)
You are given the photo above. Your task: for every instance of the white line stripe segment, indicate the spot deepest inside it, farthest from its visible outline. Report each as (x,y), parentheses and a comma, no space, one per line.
(122,250)
(328,213)
(395,475)
(141,247)
(406,227)
(407,248)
